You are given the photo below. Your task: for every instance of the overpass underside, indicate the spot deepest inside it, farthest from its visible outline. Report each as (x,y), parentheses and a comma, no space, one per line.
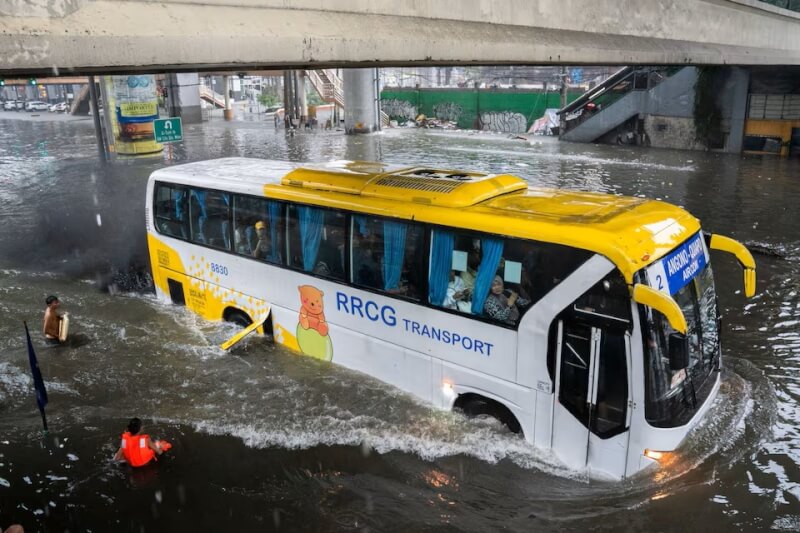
(92,36)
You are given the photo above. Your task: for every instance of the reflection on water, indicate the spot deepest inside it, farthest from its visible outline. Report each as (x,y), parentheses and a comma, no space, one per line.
(265,440)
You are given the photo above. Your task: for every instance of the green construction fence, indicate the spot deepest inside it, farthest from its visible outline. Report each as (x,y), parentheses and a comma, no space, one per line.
(465,105)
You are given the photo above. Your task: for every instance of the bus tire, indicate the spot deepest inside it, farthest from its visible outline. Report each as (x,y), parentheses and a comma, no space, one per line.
(236,316)
(475,406)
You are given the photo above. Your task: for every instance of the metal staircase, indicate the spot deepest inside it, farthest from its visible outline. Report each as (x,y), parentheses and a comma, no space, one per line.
(212,97)
(328,85)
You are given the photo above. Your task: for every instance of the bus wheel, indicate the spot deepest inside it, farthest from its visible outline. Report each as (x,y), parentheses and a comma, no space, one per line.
(239,318)
(478,406)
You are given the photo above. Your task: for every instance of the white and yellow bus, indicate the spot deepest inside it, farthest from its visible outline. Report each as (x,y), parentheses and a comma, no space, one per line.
(588,322)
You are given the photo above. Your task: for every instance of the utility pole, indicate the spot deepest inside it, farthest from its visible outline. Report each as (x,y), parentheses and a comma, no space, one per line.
(563,87)
(98,130)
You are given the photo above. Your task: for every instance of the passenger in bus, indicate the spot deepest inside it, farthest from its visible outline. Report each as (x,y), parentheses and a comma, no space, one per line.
(503,305)
(366,268)
(469,275)
(261,250)
(457,293)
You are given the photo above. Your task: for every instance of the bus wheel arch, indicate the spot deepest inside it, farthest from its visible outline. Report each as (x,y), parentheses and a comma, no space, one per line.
(237,316)
(473,405)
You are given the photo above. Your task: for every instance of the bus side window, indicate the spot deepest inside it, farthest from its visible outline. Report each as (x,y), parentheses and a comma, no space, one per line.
(258,228)
(197,215)
(171,207)
(385,255)
(217,226)
(317,240)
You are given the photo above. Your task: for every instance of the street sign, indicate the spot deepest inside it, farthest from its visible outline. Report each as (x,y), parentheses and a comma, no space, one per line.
(168,130)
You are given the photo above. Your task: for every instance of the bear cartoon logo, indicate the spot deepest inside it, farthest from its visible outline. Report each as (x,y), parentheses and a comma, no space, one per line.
(312,329)
(311,309)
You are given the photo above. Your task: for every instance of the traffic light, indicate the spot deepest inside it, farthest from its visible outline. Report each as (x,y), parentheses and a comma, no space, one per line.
(32,81)
(2,83)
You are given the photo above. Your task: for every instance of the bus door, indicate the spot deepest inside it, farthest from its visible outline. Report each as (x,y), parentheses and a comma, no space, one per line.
(591,414)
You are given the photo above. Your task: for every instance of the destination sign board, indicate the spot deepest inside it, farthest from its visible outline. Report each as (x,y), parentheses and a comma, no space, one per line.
(671,273)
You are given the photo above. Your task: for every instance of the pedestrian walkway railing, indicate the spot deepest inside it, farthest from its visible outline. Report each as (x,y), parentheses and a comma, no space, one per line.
(328,84)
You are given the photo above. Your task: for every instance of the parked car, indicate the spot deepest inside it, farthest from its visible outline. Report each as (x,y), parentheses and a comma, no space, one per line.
(9,105)
(19,105)
(60,107)
(36,105)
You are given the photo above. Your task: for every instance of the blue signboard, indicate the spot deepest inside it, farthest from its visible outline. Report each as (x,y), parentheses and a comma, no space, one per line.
(672,272)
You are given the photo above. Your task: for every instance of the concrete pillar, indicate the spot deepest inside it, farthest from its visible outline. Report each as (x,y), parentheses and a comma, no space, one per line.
(185,92)
(361,114)
(226,86)
(287,98)
(739,88)
(302,98)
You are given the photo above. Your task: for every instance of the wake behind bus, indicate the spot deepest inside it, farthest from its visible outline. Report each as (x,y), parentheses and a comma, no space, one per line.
(586,322)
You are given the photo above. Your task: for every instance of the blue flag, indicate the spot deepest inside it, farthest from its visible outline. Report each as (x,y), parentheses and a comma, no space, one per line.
(38,382)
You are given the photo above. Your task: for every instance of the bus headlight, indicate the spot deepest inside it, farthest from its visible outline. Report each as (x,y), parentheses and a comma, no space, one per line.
(656,455)
(447,390)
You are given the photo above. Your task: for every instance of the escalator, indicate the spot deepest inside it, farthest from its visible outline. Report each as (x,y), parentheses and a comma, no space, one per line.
(618,100)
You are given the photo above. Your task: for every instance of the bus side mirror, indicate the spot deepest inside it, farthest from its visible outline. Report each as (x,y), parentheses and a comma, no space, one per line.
(678,351)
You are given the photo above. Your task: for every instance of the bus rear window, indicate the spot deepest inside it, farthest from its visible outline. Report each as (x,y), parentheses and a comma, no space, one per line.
(171,210)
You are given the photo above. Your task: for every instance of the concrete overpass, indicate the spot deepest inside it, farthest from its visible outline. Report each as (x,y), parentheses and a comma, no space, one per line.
(93,36)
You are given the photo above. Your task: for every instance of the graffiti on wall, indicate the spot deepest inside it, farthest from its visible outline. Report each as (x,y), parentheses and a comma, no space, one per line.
(447,111)
(506,121)
(399,109)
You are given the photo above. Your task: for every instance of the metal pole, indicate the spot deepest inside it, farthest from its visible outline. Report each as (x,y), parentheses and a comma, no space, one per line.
(563,87)
(172,104)
(98,130)
(377,101)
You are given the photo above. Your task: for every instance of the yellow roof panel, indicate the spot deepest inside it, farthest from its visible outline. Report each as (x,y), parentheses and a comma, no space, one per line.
(445,188)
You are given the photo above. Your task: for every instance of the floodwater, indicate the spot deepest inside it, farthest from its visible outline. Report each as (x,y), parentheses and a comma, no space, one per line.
(268,441)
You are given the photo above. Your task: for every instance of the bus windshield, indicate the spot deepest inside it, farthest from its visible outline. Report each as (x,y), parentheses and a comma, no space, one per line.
(673,397)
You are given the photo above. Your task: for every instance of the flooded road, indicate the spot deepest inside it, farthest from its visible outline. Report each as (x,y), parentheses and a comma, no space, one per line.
(267,441)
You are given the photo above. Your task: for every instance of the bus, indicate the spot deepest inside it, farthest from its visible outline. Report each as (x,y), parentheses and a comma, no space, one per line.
(586,322)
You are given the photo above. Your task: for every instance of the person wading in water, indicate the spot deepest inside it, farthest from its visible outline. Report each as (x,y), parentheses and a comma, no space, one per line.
(52,320)
(137,448)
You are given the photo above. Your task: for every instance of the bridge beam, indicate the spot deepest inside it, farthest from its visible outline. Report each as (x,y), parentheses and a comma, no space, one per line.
(90,36)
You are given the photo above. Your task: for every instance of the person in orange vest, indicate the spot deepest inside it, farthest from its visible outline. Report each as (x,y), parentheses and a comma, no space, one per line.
(137,448)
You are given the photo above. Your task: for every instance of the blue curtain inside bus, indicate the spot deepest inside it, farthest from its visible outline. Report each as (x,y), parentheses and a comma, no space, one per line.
(394,247)
(200,198)
(361,222)
(492,252)
(179,196)
(441,264)
(225,224)
(274,219)
(311,220)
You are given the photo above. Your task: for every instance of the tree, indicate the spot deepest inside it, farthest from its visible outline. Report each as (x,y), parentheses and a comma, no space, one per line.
(313,98)
(269,97)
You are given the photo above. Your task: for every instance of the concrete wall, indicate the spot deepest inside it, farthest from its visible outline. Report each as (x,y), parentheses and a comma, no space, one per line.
(191,35)
(672,132)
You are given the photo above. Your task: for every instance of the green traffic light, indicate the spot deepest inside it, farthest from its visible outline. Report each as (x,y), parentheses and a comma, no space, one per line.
(32,81)
(2,83)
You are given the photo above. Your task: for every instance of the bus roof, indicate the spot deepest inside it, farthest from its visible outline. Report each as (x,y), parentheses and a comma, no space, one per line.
(631,232)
